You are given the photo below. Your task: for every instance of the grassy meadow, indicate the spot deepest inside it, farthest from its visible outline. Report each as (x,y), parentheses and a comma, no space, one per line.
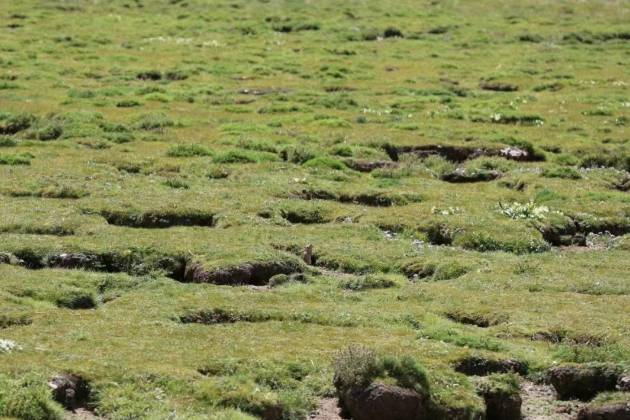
(460,168)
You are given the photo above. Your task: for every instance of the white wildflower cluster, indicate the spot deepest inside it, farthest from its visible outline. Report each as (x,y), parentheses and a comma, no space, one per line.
(7,346)
(377,111)
(446,211)
(182,41)
(524,210)
(418,244)
(170,39)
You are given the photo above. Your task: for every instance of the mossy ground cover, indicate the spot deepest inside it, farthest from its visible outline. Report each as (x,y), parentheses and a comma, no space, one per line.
(460,169)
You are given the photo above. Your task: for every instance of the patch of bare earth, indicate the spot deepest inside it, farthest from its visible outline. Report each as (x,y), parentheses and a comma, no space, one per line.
(81,414)
(327,409)
(540,403)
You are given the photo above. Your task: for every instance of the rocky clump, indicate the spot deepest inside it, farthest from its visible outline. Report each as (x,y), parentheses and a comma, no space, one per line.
(70,390)
(583,381)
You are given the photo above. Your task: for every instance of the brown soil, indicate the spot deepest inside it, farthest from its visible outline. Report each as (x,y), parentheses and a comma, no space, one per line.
(81,414)
(327,409)
(540,403)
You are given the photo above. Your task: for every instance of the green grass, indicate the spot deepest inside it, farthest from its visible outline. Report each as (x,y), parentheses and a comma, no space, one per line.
(163,143)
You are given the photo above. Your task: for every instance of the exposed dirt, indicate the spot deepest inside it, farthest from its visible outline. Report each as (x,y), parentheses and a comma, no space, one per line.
(158,220)
(304,217)
(501,404)
(451,153)
(576,232)
(220,316)
(540,403)
(73,392)
(7,321)
(610,411)
(583,381)
(479,366)
(383,401)
(369,165)
(256,273)
(460,154)
(373,199)
(461,176)
(558,336)
(81,414)
(498,86)
(262,91)
(479,320)
(327,409)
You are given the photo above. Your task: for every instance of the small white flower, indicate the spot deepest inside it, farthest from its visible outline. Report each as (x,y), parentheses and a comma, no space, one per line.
(7,346)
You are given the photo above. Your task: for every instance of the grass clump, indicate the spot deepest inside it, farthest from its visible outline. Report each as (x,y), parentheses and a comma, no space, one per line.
(218,172)
(188,150)
(325,162)
(128,103)
(268,389)
(243,156)
(7,142)
(501,383)
(298,154)
(176,184)
(75,299)
(461,339)
(562,172)
(154,122)
(434,271)
(7,321)
(51,131)
(16,159)
(12,124)
(367,283)
(28,398)
(62,191)
(297,211)
(358,367)
(484,242)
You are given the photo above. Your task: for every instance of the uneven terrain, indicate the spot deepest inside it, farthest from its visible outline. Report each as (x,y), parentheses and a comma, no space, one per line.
(203,202)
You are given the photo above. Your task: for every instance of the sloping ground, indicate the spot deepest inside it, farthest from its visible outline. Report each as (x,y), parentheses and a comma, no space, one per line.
(203,202)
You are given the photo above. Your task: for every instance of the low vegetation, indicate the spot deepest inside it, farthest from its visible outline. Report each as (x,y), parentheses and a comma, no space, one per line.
(232,209)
